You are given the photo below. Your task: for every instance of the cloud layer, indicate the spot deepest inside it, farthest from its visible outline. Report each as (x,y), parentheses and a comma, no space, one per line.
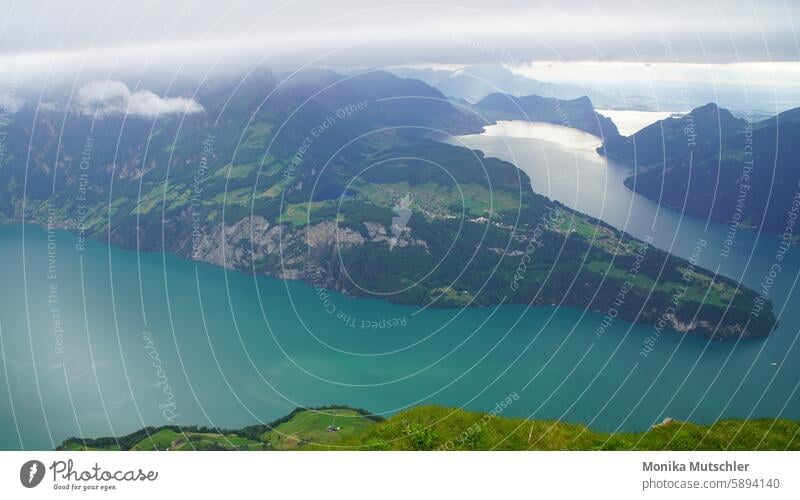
(10,103)
(110,97)
(350,32)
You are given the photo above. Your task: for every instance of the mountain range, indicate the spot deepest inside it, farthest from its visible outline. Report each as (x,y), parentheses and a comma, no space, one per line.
(576,113)
(473,83)
(338,180)
(711,164)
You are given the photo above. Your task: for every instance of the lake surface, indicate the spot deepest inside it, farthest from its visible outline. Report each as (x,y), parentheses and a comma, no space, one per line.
(629,122)
(102,341)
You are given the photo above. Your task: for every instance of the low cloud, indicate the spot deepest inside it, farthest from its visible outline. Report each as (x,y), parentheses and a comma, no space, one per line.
(102,98)
(10,104)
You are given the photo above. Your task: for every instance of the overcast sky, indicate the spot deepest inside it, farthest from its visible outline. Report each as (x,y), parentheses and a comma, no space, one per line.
(720,30)
(195,35)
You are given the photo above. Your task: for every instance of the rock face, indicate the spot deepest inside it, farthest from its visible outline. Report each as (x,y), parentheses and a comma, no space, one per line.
(254,190)
(327,234)
(400,237)
(707,328)
(235,246)
(296,254)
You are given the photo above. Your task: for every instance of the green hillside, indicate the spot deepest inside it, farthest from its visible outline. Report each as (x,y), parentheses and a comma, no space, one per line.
(305,189)
(327,427)
(437,428)
(446,429)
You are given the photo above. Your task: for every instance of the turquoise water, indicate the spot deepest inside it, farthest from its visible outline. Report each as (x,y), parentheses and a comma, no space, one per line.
(102,341)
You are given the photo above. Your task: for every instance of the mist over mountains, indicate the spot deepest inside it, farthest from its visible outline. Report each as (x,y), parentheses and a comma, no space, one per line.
(300,175)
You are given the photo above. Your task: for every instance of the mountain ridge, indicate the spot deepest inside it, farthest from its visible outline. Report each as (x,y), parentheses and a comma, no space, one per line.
(438,428)
(711,164)
(306,186)
(578,113)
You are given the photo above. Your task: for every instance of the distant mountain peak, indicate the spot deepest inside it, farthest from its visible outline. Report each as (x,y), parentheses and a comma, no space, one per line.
(576,113)
(713,110)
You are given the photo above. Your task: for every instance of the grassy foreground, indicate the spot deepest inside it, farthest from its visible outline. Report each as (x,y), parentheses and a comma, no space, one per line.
(437,428)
